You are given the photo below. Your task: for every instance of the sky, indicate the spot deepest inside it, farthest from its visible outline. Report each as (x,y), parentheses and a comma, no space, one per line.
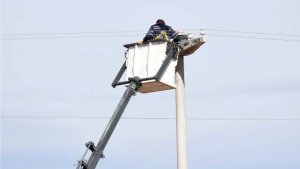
(227,78)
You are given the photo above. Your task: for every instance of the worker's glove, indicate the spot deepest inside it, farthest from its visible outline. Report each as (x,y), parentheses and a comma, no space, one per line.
(140,42)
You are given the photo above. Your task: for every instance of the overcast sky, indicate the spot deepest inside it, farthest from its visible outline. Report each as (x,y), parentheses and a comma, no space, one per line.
(235,78)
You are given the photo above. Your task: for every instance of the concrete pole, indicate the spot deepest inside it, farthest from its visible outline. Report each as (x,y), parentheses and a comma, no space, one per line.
(180,115)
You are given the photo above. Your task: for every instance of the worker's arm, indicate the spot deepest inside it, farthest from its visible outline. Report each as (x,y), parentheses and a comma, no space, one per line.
(149,34)
(171,33)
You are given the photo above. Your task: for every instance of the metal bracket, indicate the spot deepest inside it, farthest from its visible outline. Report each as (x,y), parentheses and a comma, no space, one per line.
(84,165)
(91,146)
(119,75)
(137,81)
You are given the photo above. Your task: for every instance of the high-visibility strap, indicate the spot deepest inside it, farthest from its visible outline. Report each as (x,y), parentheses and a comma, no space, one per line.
(163,33)
(158,36)
(166,36)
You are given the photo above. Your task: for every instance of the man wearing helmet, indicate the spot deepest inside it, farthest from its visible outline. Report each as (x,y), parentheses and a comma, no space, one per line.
(158,31)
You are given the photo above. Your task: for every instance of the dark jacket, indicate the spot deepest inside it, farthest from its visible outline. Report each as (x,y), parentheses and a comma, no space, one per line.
(156,29)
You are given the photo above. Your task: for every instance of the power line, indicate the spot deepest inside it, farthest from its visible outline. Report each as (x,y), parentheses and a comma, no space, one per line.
(94,36)
(247,37)
(148,118)
(258,33)
(60,37)
(97,32)
(73,33)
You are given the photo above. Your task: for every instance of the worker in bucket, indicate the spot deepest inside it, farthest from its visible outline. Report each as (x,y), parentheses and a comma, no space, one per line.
(159,31)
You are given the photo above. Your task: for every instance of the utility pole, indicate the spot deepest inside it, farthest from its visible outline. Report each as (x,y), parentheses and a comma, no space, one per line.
(190,48)
(182,162)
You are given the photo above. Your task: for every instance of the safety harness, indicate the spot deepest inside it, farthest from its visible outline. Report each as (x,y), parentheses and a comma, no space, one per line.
(163,33)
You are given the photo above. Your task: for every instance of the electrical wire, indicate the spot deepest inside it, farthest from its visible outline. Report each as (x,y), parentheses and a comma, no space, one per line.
(73,33)
(59,37)
(254,38)
(258,33)
(198,29)
(148,118)
(94,36)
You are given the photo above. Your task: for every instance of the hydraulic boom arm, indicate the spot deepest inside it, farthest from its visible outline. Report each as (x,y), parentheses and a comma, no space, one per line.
(97,152)
(134,85)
